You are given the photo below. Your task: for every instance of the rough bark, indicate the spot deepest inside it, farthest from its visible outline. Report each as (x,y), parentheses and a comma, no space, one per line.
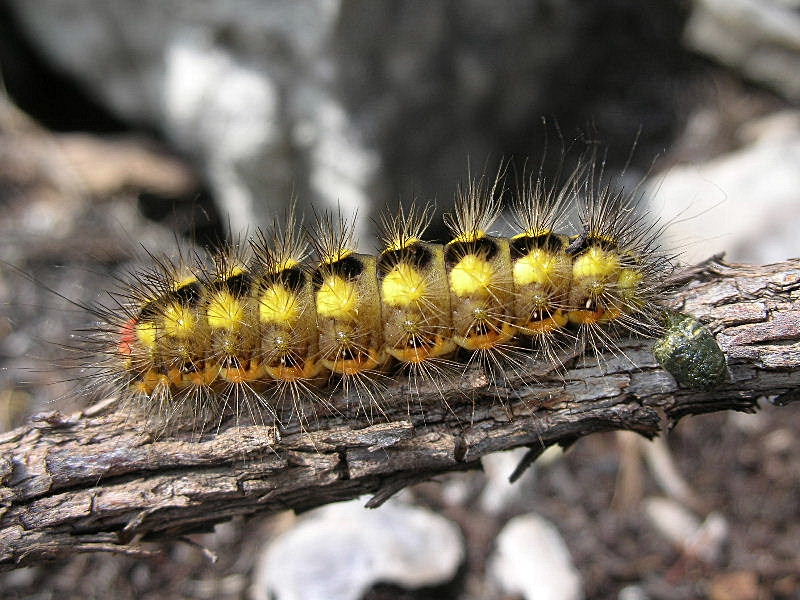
(94,482)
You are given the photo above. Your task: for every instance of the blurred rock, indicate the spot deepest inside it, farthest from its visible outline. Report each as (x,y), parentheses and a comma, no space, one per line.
(749,423)
(243,87)
(355,103)
(745,203)
(531,559)
(779,441)
(21,577)
(702,541)
(632,592)
(55,187)
(341,550)
(738,585)
(499,493)
(759,38)
(668,476)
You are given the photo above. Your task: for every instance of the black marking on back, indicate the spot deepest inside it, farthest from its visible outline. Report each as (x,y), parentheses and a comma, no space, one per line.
(484,247)
(347,268)
(522,246)
(415,254)
(585,240)
(150,310)
(238,285)
(187,295)
(294,278)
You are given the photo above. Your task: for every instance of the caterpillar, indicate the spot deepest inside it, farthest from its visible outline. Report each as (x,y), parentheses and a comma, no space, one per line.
(270,327)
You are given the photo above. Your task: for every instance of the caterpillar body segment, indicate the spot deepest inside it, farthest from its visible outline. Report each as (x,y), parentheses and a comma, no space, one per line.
(180,335)
(349,315)
(415,298)
(350,327)
(478,268)
(619,269)
(289,340)
(541,268)
(345,285)
(481,292)
(287,317)
(157,339)
(542,273)
(287,321)
(164,346)
(230,313)
(483,300)
(415,303)
(231,316)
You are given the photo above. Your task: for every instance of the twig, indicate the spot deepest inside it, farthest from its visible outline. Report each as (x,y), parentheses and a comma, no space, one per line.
(94,482)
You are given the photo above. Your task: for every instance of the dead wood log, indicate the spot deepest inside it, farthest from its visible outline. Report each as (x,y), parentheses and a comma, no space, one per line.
(95,482)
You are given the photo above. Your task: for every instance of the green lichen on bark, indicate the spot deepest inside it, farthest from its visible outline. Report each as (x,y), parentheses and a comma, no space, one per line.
(690,353)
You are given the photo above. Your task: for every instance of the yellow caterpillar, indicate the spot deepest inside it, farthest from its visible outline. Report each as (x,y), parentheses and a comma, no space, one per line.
(263,322)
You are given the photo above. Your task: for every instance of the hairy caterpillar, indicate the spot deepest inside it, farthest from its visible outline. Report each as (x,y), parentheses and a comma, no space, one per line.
(268,328)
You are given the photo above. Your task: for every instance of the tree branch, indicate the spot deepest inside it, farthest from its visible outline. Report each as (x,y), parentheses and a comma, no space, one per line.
(94,482)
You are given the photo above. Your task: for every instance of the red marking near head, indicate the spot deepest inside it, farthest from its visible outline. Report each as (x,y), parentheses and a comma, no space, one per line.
(128,337)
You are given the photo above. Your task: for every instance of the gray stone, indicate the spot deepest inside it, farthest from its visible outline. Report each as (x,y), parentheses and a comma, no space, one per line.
(532,559)
(244,87)
(703,541)
(745,203)
(759,38)
(331,101)
(341,550)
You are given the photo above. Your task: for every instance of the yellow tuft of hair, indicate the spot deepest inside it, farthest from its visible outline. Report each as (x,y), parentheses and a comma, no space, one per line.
(628,283)
(225,312)
(278,305)
(185,281)
(472,276)
(178,321)
(146,334)
(629,279)
(597,264)
(335,256)
(404,285)
(469,236)
(532,233)
(284,265)
(538,266)
(337,299)
(234,270)
(399,243)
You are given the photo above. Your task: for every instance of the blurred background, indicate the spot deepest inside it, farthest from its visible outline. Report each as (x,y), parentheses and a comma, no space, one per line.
(160,123)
